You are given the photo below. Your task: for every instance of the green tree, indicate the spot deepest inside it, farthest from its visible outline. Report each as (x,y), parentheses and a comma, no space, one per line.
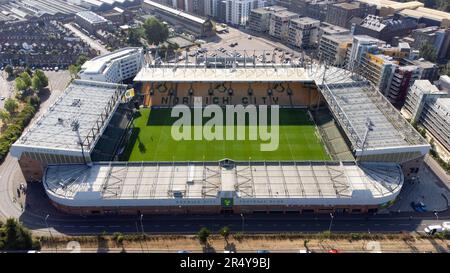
(26,78)
(203,235)
(155,31)
(428,52)
(39,80)
(81,60)
(9,69)
(14,236)
(225,232)
(445,69)
(20,84)
(134,36)
(11,105)
(28,71)
(5,116)
(73,70)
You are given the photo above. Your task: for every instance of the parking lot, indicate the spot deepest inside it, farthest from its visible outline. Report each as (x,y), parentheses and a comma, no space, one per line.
(237,43)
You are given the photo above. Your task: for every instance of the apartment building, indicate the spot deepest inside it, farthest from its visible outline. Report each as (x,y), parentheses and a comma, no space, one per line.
(279,24)
(114,67)
(259,19)
(303,32)
(237,12)
(430,106)
(334,48)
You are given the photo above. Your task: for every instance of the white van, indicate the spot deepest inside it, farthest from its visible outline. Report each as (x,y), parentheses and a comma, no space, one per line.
(433,229)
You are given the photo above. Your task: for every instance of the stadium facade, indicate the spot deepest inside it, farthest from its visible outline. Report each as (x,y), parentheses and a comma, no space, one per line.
(387,151)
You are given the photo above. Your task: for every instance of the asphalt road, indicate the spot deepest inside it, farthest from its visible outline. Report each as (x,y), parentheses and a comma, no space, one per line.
(267,223)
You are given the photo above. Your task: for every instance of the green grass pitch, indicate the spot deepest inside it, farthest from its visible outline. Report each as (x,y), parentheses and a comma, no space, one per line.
(151,140)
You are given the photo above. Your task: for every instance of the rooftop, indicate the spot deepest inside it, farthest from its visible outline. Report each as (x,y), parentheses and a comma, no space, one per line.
(333,29)
(357,105)
(444,102)
(99,64)
(426,86)
(176,12)
(285,14)
(240,74)
(305,20)
(171,183)
(394,4)
(86,102)
(91,17)
(348,6)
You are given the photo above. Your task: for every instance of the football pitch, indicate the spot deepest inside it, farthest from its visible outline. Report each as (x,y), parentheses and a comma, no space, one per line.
(151,140)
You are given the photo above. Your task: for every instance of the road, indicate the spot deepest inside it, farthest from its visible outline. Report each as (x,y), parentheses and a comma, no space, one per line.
(270,223)
(91,42)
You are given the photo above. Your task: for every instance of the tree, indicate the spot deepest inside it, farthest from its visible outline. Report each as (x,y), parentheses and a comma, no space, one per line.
(5,116)
(11,105)
(14,236)
(26,78)
(445,69)
(73,70)
(134,36)
(28,71)
(20,84)
(155,31)
(39,80)
(428,52)
(9,69)
(81,60)
(203,235)
(225,232)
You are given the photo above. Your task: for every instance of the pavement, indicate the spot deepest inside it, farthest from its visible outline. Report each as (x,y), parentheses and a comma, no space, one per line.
(262,45)
(428,189)
(6,87)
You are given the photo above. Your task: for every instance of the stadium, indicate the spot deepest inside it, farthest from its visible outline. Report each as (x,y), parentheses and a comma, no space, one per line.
(343,147)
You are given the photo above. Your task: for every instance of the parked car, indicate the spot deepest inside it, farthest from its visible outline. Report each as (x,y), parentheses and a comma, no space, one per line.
(183,251)
(333,251)
(446,226)
(262,251)
(419,207)
(433,229)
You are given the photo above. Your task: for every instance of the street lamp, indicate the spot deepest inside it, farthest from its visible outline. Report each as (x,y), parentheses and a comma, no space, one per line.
(331,222)
(242,216)
(436,214)
(51,235)
(142,225)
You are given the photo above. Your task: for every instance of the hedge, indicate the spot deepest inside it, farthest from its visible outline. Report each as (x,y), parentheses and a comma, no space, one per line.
(14,130)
